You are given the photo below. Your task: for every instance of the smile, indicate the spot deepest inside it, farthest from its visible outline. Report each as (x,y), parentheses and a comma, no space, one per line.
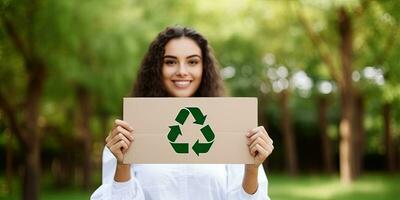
(182,84)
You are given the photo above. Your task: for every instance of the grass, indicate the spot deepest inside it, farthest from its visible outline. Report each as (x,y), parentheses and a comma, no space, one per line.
(67,194)
(314,187)
(281,187)
(48,191)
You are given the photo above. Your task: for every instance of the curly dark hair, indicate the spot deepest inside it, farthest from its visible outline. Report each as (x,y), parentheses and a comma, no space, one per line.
(149,79)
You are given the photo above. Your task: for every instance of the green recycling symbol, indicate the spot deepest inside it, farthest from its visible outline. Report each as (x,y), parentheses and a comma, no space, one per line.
(175,131)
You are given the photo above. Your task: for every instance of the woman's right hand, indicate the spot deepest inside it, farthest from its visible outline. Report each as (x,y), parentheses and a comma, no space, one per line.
(119,139)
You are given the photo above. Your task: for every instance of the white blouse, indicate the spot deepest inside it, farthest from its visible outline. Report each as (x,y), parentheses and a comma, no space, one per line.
(178,181)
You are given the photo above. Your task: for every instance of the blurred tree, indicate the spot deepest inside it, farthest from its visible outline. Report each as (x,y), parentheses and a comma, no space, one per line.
(56,38)
(348,14)
(345,84)
(288,134)
(20,23)
(86,62)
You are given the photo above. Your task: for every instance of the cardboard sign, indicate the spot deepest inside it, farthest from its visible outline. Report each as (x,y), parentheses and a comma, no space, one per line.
(190,130)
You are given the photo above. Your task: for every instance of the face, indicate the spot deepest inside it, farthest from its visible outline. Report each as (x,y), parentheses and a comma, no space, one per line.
(182,67)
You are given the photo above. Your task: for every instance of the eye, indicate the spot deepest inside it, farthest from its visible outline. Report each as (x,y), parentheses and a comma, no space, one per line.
(193,62)
(169,62)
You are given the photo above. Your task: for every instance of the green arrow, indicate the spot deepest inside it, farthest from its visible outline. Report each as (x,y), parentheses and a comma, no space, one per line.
(198,115)
(199,148)
(208,133)
(180,147)
(174,132)
(182,115)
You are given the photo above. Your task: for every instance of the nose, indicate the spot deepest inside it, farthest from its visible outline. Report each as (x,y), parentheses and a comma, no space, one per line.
(182,70)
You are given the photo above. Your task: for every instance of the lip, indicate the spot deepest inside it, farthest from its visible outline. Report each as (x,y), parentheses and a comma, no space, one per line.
(181,84)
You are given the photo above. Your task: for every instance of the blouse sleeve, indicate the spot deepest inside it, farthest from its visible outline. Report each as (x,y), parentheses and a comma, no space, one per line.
(235,189)
(110,189)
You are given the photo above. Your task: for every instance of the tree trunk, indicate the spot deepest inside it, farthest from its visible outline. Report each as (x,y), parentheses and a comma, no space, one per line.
(327,156)
(347,102)
(62,165)
(288,135)
(9,162)
(31,176)
(359,134)
(397,151)
(83,122)
(390,154)
(26,129)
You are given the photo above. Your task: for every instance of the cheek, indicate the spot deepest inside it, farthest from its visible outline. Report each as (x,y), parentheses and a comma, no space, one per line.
(198,73)
(167,72)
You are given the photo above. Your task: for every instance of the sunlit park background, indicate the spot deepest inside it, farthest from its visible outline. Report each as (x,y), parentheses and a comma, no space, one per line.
(326,74)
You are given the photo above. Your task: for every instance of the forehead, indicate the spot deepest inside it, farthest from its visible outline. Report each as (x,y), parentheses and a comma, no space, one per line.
(182,47)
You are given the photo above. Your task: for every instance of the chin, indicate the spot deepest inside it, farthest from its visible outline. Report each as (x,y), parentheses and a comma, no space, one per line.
(182,93)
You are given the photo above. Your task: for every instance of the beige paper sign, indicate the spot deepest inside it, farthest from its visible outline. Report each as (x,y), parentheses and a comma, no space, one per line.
(190,130)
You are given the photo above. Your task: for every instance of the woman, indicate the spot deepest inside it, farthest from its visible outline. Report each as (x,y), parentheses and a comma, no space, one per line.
(179,63)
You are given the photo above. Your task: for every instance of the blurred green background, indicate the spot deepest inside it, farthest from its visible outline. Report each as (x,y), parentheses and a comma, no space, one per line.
(326,74)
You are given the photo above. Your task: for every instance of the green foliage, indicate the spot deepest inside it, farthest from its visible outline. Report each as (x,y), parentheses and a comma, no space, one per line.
(98,45)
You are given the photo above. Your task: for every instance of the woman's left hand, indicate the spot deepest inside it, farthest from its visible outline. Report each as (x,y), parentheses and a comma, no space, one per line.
(260,145)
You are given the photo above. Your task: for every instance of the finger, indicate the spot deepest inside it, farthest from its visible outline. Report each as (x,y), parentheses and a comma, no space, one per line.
(118,149)
(119,146)
(262,154)
(120,129)
(126,133)
(124,124)
(258,135)
(124,147)
(109,136)
(270,140)
(257,129)
(254,150)
(113,132)
(117,138)
(260,142)
(269,149)
(253,131)
(112,141)
(259,152)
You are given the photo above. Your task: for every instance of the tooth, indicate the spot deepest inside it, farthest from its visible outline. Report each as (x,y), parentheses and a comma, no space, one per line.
(182,83)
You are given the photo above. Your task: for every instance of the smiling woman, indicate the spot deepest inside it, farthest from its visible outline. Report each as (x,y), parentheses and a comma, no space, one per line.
(179,63)
(176,56)
(182,68)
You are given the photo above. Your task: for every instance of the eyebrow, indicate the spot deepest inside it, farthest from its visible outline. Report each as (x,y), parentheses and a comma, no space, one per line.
(174,57)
